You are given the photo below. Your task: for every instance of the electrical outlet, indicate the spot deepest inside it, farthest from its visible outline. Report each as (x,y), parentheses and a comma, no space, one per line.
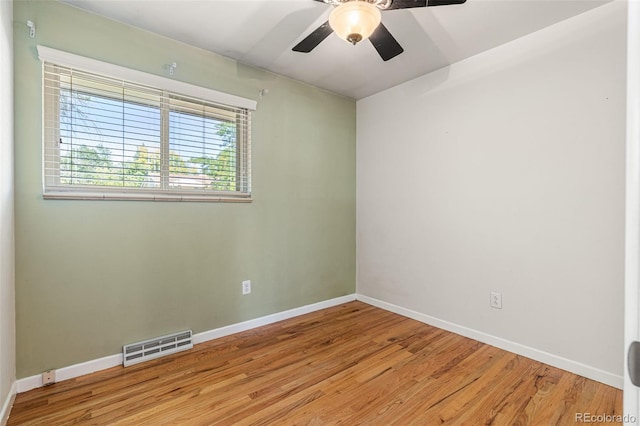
(48,377)
(496,300)
(246,287)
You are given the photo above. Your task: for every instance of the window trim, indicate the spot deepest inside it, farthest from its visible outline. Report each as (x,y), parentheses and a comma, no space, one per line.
(81,63)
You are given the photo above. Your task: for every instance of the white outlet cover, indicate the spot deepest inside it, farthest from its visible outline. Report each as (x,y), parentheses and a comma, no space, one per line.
(496,300)
(48,377)
(246,287)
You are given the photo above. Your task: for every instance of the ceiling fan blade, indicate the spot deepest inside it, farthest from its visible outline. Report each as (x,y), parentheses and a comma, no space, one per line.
(444,2)
(408,4)
(385,44)
(313,39)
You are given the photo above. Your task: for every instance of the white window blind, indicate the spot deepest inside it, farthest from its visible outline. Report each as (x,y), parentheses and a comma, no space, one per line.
(108,138)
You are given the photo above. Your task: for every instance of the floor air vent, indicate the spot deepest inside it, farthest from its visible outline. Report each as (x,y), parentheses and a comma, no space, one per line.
(155,348)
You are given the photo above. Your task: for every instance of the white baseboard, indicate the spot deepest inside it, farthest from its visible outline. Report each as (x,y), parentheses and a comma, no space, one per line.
(92,366)
(72,371)
(529,352)
(269,319)
(8,403)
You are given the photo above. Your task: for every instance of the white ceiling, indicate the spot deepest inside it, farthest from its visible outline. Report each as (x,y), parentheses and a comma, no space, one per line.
(262,32)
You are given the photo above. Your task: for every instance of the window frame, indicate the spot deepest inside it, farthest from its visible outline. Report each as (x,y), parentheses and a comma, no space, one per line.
(185,92)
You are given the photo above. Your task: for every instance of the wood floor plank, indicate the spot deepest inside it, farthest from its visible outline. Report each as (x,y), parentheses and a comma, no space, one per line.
(350,364)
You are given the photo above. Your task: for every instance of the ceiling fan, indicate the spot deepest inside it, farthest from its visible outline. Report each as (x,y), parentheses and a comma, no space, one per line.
(357,20)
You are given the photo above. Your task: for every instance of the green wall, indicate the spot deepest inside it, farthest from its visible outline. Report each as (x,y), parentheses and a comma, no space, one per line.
(94,275)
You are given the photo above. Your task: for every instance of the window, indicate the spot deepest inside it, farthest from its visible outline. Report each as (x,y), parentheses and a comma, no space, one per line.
(112,138)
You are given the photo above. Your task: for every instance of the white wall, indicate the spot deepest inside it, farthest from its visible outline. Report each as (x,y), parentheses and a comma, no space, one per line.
(7,311)
(505,172)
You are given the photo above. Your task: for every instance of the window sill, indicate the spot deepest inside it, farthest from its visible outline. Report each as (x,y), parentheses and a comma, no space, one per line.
(101,196)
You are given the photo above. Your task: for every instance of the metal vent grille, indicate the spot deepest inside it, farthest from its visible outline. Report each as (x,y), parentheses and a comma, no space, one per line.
(135,353)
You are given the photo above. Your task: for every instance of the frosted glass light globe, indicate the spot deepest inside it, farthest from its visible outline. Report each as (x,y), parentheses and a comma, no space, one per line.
(355,21)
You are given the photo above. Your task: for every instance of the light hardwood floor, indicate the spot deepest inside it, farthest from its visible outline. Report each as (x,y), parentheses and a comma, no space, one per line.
(351,364)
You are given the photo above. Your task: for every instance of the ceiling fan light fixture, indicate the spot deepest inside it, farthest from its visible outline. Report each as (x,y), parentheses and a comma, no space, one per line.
(355,21)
